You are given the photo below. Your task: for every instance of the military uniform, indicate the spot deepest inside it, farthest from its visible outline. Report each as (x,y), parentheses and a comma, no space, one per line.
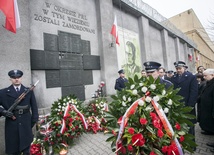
(18,132)
(120,82)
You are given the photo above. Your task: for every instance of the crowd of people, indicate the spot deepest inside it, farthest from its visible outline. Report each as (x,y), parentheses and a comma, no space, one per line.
(197,90)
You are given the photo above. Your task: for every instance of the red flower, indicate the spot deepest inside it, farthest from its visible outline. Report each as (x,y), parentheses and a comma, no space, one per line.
(182,138)
(164,149)
(138,140)
(143,121)
(114,133)
(157,123)
(160,133)
(121,148)
(130,148)
(172,149)
(119,121)
(177,126)
(152,153)
(131,131)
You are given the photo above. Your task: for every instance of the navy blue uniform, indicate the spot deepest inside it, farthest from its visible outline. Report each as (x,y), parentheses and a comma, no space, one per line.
(166,82)
(18,132)
(120,83)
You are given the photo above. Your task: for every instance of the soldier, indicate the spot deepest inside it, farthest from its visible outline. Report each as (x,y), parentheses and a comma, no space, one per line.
(188,85)
(120,82)
(152,69)
(18,123)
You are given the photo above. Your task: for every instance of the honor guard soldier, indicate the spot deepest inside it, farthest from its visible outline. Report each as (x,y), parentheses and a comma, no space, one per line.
(152,69)
(120,82)
(19,122)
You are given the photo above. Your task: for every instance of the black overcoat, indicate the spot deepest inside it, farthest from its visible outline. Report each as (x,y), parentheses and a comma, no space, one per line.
(120,83)
(206,102)
(18,132)
(188,89)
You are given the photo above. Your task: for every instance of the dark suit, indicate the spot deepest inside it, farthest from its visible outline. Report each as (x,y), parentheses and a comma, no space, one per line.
(18,132)
(120,83)
(166,82)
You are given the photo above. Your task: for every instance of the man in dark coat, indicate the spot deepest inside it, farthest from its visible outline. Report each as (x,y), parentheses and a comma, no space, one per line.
(18,123)
(120,82)
(188,85)
(152,69)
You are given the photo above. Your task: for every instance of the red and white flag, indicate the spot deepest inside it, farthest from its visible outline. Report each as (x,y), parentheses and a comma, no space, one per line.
(114,30)
(197,58)
(11,11)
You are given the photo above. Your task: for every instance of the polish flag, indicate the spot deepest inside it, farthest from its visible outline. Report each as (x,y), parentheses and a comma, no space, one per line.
(190,57)
(197,58)
(114,30)
(11,11)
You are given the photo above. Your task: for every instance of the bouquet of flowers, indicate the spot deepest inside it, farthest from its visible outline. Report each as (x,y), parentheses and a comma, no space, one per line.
(36,147)
(145,118)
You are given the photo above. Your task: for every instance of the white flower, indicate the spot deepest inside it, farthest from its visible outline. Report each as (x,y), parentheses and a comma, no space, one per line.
(124,104)
(144,89)
(169,102)
(134,92)
(64,99)
(153,86)
(124,98)
(166,110)
(156,98)
(132,86)
(148,99)
(59,109)
(59,106)
(149,108)
(141,84)
(141,103)
(163,92)
(129,99)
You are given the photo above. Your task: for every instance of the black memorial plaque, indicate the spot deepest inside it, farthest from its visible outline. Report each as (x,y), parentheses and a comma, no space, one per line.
(85,47)
(50,42)
(51,60)
(78,91)
(91,62)
(75,43)
(87,77)
(71,77)
(52,78)
(64,42)
(71,61)
(37,59)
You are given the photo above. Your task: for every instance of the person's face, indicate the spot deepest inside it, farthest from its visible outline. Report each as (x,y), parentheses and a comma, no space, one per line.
(16,81)
(154,74)
(161,73)
(208,77)
(201,69)
(180,70)
(122,75)
(129,55)
(143,74)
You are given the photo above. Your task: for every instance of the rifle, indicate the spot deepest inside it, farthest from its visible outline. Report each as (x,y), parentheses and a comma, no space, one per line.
(18,100)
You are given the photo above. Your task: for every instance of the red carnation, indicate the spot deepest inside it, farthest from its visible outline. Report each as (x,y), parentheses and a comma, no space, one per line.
(138,140)
(131,131)
(152,153)
(130,148)
(160,133)
(182,138)
(143,121)
(164,149)
(177,126)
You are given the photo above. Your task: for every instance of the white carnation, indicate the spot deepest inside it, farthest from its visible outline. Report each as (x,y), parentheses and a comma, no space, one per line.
(129,99)
(124,98)
(141,103)
(156,98)
(166,110)
(124,104)
(134,92)
(144,89)
(163,92)
(153,86)
(149,108)
(141,84)
(148,99)
(132,86)
(169,102)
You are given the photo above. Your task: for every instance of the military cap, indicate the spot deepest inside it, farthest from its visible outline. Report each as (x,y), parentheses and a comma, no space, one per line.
(121,71)
(15,73)
(179,64)
(151,66)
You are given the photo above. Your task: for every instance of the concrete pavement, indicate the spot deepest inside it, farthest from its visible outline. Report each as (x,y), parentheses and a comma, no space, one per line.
(94,144)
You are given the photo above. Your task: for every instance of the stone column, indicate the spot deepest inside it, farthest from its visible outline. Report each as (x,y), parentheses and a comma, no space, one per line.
(177,49)
(165,46)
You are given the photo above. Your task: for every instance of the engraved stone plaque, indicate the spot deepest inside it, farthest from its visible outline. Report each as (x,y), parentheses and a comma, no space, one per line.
(51,60)
(75,43)
(64,42)
(71,61)
(78,91)
(37,59)
(91,62)
(52,78)
(85,47)
(71,77)
(87,77)
(50,42)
